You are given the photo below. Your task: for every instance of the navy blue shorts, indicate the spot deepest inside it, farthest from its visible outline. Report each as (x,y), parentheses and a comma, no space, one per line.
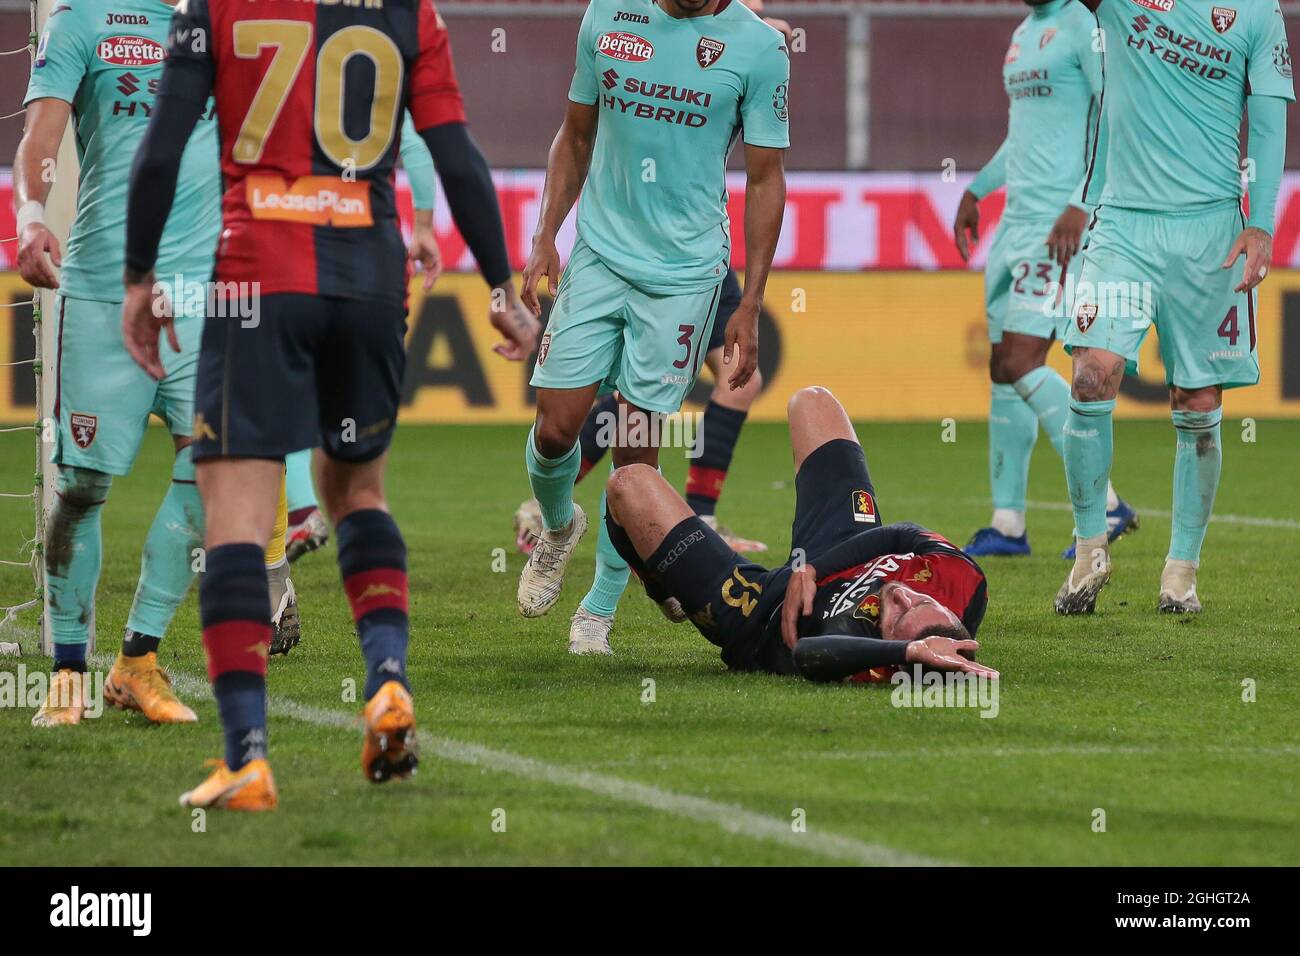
(308,371)
(730,599)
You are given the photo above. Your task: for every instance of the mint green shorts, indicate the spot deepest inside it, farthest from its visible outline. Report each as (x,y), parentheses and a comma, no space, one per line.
(604,329)
(103,399)
(1144,268)
(1022,285)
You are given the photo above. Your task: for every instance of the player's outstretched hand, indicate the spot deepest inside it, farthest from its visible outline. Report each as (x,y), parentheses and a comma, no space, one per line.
(145,313)
(544,260)
(1257,246)
(33,265)
(799,593)
(516,323)
(741,348)
(966,221)
(943,653)
(424,250)
(1067,235)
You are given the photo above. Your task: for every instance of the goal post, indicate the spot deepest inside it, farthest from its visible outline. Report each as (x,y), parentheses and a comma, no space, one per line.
(60,207)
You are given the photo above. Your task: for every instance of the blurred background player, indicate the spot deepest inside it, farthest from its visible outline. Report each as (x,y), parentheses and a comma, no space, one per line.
(855,596)
(308,529)
(1052,75)
(635,306)
(724,416)
(1167,235)
(104,400)
(329,326)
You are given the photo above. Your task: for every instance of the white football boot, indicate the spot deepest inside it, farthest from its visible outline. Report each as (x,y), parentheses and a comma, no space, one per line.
(589,633)
(1088,575)
(543,575)
(286,625)
(1178,588)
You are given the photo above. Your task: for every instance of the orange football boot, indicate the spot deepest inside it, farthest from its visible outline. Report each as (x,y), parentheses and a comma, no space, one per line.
(390,748)
(138,683)
(250,788)
(65,701)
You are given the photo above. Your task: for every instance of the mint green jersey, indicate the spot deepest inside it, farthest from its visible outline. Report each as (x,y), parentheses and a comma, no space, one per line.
(106,58)
(1052,75)
(673,95)
(1177,76)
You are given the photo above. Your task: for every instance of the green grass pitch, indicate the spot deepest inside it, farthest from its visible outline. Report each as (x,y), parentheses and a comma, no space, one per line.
(1139,715)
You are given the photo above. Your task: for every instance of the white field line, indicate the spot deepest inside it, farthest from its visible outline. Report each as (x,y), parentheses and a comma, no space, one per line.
(1252,521)
(1287,524)
(726,816)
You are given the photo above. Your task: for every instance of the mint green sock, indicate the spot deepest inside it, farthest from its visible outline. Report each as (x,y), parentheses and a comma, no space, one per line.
(1044,391)
(74,552)
(1089,446)
(298,489)
(611,573)
(1197,465)
(552,481)
(166,567)
(1013,429)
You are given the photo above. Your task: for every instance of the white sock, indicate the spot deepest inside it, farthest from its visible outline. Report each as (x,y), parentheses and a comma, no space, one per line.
(1112,499)
(1009,521)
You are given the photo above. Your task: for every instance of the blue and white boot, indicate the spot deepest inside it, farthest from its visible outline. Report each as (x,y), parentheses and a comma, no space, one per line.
(991,541)
(1120,520)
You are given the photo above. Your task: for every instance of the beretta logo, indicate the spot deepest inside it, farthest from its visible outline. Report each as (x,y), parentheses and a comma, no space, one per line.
(1160,6)
(130,51)
(627,47)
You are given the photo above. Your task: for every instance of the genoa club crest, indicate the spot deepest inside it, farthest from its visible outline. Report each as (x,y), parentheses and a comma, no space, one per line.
(1085,316)
(1223,18)
(708,52)
(84,428)
(864,508)
(869,609)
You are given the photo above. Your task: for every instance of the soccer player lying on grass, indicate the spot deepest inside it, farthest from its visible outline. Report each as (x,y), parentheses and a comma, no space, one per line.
(854,596)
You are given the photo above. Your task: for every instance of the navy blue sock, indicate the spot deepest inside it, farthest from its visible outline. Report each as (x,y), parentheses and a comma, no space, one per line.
(241,701)
(589,438)
(135,644)
(372,560)
(70,657)
(236,612)
(706,474)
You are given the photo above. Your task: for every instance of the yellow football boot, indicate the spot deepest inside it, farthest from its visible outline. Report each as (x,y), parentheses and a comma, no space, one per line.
(251,788)
(138,683)
(390,748)
(65,701)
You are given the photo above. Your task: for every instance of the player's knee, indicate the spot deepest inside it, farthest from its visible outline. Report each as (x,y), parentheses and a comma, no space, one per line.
(998,373)
(807,400)
(1014,367)
(1092,381)
(552,439)
(1195,399)
(753,388)
(82,488)
(627,483)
